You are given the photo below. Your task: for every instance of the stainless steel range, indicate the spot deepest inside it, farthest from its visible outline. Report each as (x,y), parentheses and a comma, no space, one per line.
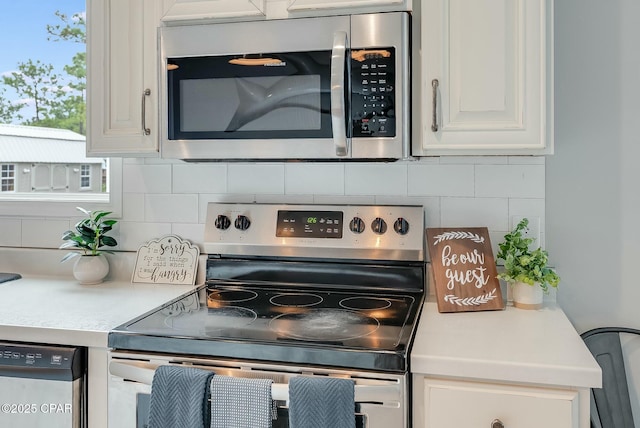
(291,290)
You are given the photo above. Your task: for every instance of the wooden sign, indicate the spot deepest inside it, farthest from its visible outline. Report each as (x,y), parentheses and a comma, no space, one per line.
(168,260)
(464,269)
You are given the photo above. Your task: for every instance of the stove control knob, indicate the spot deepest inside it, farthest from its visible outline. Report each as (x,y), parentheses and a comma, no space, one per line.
(222,222)
(379,226)
(401,226)
(356,225)
(242,222)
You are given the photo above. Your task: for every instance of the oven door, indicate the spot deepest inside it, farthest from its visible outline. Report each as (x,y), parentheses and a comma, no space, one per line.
(381,399)
(256,90)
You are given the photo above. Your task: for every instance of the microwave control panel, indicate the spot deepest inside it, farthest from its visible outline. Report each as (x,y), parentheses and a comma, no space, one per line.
(373,92)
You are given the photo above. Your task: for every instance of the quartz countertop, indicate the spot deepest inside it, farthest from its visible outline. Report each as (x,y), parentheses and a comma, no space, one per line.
(61,311)
(514,345)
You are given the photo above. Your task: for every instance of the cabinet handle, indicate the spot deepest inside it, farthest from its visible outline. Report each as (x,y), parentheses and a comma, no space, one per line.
(497,423)
(434,105)
(145,94)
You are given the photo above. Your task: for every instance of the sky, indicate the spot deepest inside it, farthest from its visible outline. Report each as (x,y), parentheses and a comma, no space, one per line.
(23,25)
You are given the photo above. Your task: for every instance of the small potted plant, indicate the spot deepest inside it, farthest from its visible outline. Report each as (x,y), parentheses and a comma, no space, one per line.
(88,236)
(525,270)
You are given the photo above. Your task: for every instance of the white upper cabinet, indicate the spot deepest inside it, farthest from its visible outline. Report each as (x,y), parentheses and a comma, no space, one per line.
(483,81)
(310,5)
(186,10)
(122,77)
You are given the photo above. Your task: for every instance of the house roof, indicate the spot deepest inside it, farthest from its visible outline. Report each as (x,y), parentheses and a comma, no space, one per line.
(24,144)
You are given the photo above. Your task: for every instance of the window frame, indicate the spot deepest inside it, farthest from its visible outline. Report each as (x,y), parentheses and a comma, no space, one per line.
(56,205)
(85,173)
(12,178)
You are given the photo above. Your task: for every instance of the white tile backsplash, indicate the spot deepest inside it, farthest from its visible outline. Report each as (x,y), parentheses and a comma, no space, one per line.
(171,208)
(376,179)
(523,181)
(256,178)
(475,212)
(161,197)
(10,232)
(200,178)
(440,180)
(310,179)
(140,178)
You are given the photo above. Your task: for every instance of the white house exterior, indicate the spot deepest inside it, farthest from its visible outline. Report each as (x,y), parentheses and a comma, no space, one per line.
(37,159)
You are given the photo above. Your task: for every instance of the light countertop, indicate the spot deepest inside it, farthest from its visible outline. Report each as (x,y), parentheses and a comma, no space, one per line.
(61,311)
(514,345)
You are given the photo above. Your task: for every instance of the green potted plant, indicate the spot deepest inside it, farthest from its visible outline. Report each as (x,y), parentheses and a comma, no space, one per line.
(525,270)
(86,239)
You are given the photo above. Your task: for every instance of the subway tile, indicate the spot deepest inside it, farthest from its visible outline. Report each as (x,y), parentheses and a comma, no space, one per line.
(10,232)
(526,160)
(517,181)
(133,206)
(146,178)
(171,208)
(255,178)
(376,179)
(43,233)
(441,180)
(492,213)
(284,199)
(473,160)
(344,199)
(200,178)
(192,232)
(319,179)
(533,207)
(133,235)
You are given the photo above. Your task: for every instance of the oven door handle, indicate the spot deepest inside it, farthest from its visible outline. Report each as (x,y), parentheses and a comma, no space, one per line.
(338,108)
(142,372)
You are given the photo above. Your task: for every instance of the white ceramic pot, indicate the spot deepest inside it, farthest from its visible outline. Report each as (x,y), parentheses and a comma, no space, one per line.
(527,296)
(91,269)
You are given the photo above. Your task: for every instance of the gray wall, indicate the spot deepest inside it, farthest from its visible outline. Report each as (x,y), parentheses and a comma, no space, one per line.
(593,180)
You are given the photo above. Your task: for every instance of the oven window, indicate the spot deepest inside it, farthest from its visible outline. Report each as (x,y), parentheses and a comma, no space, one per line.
(284,95)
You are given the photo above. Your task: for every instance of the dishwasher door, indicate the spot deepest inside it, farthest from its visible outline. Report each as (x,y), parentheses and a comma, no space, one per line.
(42,386)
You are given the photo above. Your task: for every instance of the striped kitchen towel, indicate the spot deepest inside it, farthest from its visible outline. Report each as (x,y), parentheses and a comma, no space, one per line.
(179,397)
(241,403)
(318,402)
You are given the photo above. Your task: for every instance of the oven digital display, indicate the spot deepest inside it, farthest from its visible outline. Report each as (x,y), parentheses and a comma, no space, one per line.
(309,224)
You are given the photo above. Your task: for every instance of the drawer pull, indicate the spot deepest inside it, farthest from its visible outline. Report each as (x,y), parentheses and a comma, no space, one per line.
(497,423)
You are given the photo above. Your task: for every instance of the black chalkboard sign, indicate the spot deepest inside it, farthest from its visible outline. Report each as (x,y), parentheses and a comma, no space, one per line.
(464,269)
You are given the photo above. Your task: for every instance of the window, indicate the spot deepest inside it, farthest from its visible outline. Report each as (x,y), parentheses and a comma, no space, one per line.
(8,177)
(43,115)
(85,176)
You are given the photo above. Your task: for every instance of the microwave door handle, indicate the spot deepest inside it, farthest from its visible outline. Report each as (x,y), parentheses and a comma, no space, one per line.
(338,116)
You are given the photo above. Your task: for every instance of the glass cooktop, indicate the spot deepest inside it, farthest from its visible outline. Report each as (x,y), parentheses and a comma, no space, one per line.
(316,326)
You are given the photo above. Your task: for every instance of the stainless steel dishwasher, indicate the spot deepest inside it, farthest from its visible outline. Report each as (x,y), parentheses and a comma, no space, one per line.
(42,386)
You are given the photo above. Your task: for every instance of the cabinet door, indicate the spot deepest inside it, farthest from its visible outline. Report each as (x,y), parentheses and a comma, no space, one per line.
(484,78)
(182,10)
(301,5)
(454,404)
(122,83)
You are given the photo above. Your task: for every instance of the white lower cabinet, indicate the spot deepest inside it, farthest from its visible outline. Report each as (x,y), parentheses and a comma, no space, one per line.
(442,403)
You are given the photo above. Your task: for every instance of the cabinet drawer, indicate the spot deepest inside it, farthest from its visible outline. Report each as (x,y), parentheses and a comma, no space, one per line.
(453,404)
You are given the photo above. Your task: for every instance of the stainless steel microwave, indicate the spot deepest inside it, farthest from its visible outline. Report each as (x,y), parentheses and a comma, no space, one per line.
(328,88)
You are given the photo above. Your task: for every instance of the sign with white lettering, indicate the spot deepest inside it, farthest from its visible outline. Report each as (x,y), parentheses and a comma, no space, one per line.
(168,260)
(464,269)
